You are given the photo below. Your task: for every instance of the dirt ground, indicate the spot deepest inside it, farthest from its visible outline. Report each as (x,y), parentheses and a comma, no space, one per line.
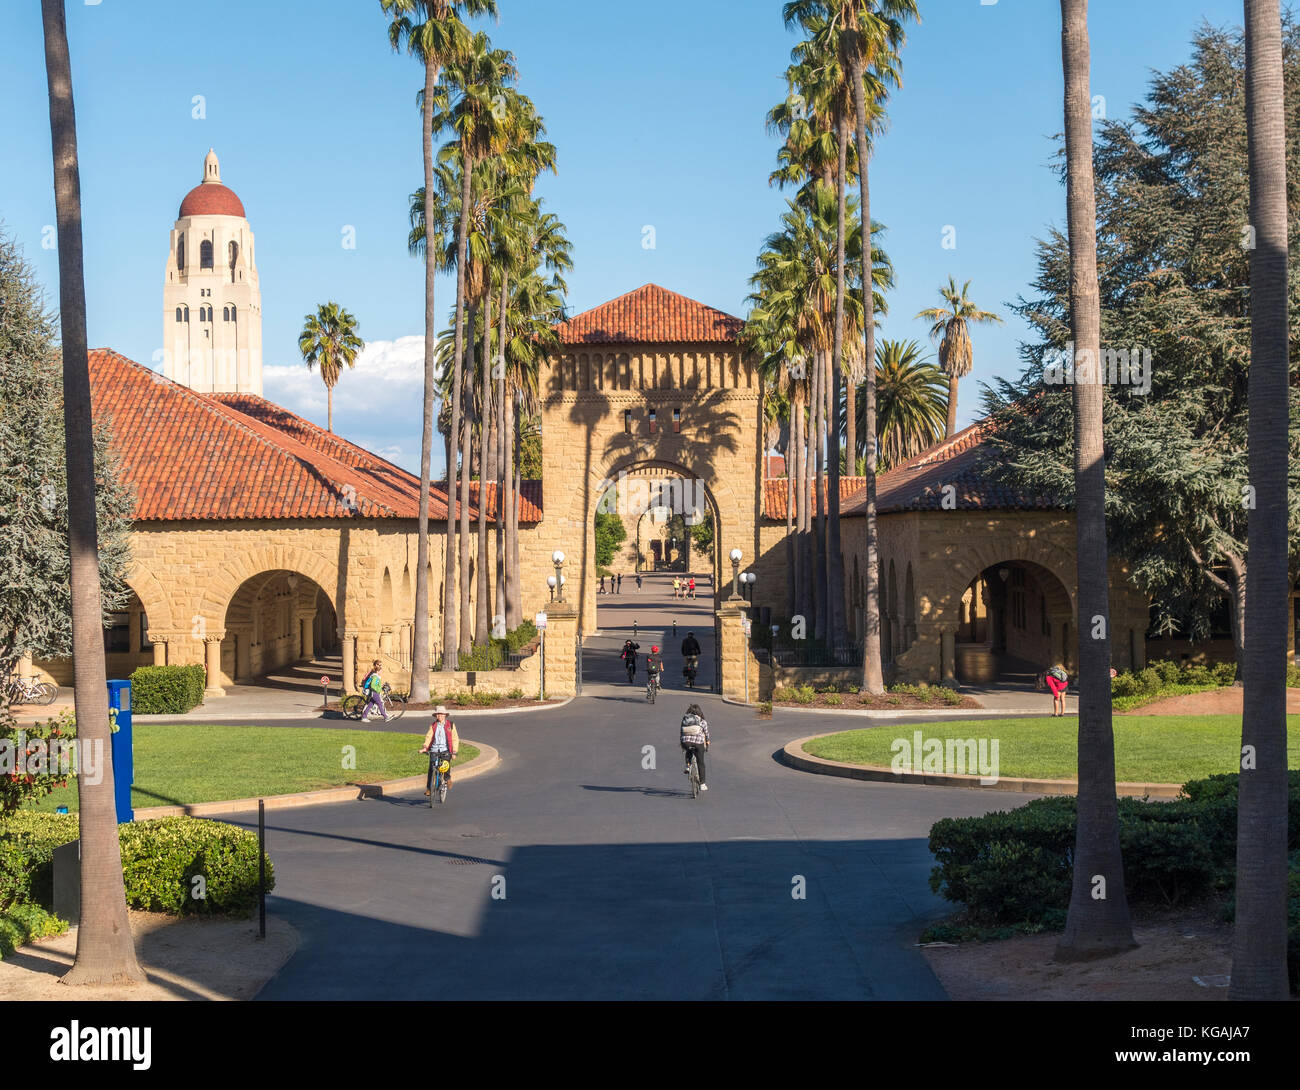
(1225,701)
(183,959)
(1172,951)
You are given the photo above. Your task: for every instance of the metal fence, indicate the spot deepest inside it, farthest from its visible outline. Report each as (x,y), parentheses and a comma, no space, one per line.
(817,656)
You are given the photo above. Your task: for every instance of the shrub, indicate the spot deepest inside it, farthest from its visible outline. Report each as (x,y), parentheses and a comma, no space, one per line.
(1166,670)
(1293,675)
(1197,675)
(161,859)
(31,766)
(462,699)
(950,697)
(802,694)
(764,707)
(486,699)
(167,690)
(515,694)
(1225,673)
(27,843)
(521,636)
(780,693)
(20,924)
(834,699)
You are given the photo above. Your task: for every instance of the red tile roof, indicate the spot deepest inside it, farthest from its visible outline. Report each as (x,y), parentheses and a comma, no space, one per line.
(211,199)
(918,484)
(774,495)
(649,315)
(188,455)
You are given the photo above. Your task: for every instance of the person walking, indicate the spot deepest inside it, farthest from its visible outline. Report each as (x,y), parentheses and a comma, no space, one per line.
(677,587)
(602,585)
(440,741)
(373,687)
(690,587)
(620,583)
(1058,681)
(638,580)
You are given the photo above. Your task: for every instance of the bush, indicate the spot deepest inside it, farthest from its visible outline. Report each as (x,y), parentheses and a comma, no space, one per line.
(802,694)
(1293,675)
(461,700)
(167,690)
(486,699)
(515,694)
(22,923)
(1166,670)
(43,762)
(1225,673)
(159,860)
(521,636)
(834,699)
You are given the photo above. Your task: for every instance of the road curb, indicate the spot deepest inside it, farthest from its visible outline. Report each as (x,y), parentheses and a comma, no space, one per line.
(487,759)
(309,713)
(793,756)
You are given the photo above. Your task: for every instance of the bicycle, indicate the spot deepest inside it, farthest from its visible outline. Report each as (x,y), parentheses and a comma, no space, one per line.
(440,784)
(30,690)
(394,704)
(691,668)
(695,776)
(631,671)
(651,685)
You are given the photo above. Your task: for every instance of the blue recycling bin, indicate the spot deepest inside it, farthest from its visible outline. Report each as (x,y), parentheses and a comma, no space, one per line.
(119,713)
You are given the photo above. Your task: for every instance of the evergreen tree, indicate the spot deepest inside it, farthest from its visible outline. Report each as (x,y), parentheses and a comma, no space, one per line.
(35,595)
(1174,258)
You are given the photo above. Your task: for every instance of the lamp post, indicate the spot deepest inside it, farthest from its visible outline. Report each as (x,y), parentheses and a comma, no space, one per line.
(557,558)
(735,572)
(748,578)
(550,582)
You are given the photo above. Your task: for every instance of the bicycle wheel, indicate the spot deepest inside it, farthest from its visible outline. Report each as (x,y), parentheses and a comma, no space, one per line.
(442,788)
(351,706)
(48,693)
(396,705)
(695,778)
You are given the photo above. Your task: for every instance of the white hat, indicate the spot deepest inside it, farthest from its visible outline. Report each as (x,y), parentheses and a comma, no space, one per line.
(441,709)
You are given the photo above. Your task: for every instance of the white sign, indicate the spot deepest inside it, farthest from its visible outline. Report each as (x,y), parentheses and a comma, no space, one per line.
(540,622)
(747,626)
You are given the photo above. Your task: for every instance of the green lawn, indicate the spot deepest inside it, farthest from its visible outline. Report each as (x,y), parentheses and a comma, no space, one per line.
(200,762)
(1152,749)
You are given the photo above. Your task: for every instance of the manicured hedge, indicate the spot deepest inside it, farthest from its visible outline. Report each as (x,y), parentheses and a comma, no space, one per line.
(167,690)
(1014,867)
(160,859)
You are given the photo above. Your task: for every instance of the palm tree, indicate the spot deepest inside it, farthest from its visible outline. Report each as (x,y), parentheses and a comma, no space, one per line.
(105,950)
(329,338)
(951,321)
(432,32)
(911,401)
(1098,922)
(1259,950)
(867,35)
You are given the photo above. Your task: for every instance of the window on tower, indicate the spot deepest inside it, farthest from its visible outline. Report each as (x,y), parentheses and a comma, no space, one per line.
(234,254)
(225,314)
(180,251)
(205,254)
(232,314)
(179,316)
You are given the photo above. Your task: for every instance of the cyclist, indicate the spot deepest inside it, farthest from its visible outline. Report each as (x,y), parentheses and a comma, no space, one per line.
(695,740)
(628,655)
(653,665)
(373,687)
(440,741)
(691,654)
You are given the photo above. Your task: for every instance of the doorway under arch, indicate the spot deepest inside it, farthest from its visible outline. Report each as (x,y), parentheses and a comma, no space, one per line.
(274,619)
(1014,622)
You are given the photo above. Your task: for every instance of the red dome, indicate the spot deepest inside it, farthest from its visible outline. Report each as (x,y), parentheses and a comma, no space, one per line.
(211,199)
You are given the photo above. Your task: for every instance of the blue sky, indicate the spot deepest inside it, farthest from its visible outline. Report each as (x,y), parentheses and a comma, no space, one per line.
(657,111)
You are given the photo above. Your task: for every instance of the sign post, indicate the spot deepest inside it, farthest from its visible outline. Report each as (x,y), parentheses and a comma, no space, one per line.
(325,692)
(540,623)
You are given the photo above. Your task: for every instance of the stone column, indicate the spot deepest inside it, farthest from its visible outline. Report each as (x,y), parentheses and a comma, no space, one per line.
(243,656)
(212,661)
(948,655)
(159,650)
(735,647)
(349,660)
(386,641)
(306,638)
(561,649)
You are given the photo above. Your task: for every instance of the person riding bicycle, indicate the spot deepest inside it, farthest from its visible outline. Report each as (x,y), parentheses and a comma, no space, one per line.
(440,742)
(373,686)
(628,655)
(695,740)
(691,654)
(653,665)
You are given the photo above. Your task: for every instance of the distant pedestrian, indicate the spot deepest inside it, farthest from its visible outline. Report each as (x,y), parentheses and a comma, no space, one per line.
(1058,681)
(620,583)
(638,580)
(690,586)
(602,585)
(677,587)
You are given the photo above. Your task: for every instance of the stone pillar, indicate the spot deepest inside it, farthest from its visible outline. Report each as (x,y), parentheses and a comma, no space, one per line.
(349,660)
(159,650)
(386,641)
(212,661)
(561,649)
(243,655)
(735,647)
(948,655)
(306,639)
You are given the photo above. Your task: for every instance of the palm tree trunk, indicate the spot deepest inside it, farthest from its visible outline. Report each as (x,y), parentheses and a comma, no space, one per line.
(466,638)
(1098,922)
(482,614)
(790,567)
(805,509)
(512,541)
(105,950)
(329,410)
(419,687)
(1259,953)
(835,560)
(798,482)
(450,631)
(872,671)
(819,523)
(952,405)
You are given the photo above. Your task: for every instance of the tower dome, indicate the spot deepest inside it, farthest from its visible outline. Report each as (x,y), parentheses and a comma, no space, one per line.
(210,197)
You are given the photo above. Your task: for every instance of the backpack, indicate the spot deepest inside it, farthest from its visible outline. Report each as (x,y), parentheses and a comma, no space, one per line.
(1058,673)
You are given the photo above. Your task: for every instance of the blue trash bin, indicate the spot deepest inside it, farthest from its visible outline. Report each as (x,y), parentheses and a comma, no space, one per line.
(121,748)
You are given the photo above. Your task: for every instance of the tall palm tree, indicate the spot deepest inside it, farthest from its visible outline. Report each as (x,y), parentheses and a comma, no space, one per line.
(432,32)
(329,339)
(1098,921)
(105,950)
(952,322)
(868,35)
(911,401)
(1259,949)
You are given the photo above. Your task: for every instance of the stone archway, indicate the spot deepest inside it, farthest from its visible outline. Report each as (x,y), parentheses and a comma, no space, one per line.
(272,620)
(1013,621)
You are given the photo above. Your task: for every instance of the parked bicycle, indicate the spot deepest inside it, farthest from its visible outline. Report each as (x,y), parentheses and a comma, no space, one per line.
(29,690)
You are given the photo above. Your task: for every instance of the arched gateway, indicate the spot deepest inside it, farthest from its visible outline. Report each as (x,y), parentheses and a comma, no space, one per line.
(650,379)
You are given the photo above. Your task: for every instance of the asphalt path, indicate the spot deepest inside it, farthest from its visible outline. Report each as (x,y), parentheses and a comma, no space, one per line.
(581,868)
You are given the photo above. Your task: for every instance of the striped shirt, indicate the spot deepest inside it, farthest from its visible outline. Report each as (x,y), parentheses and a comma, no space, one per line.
(695,731)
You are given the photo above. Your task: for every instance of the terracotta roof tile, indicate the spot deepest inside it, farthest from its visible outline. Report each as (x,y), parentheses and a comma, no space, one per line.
(774,495)
(649,315)
(211,199)
(236,456)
